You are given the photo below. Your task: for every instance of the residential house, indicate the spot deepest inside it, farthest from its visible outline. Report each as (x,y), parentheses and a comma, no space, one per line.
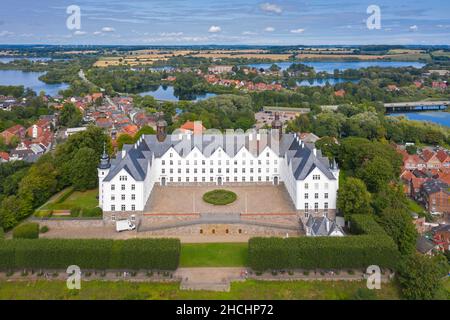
(435,195)
(441,237)
(192,127)
(38,129)
(15,131)
(4,157)
(425,246)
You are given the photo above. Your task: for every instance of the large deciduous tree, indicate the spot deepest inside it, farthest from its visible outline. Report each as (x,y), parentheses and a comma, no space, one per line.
(353,198)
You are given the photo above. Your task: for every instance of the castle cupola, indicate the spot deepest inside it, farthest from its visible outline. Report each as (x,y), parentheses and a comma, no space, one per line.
(104,160)
(161,130)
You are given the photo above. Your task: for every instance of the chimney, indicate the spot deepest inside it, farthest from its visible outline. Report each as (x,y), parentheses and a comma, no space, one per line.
(315,152)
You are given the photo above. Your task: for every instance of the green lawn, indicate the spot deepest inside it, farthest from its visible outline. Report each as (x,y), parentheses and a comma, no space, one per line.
(251,289)
(214,255)
(83,200)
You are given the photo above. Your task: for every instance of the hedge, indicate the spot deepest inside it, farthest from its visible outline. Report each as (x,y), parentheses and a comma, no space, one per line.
(2,233)
(26,231)
(371,246)
(157,254)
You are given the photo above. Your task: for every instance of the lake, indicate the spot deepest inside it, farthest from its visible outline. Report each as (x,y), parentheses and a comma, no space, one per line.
(438,117)
(167,93)
(29,80)
(330,66)
(323,82)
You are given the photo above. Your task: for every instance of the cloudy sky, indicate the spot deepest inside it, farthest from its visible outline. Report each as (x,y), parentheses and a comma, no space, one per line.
(184,22)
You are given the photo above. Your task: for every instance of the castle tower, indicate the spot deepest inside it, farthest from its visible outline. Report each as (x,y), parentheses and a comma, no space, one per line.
(103,170)
(161,130)
(277,125)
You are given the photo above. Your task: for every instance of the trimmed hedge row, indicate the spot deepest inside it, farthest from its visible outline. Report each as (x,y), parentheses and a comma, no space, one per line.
(371,247)
(26,231)
(158,254)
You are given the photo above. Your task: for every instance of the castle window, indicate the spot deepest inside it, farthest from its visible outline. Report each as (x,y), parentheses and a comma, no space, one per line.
(171,155)
(123,208)
(240,231)
(267,154)
(113,197)
(326,195)
(316,196)
(214,231)
(306,208)
(113,187)
(163,162)
(187,179)
(306,196)
(306,186)
(316,207)
(133,197)
(187,162)
(133,207)
(163,171)
(122,187)
(113,208)
(123,197)
(325,207)
(316,177)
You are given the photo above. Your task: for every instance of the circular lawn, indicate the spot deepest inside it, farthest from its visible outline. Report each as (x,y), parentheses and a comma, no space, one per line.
(219,197)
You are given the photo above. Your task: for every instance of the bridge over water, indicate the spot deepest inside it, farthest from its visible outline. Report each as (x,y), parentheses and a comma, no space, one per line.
(417,106)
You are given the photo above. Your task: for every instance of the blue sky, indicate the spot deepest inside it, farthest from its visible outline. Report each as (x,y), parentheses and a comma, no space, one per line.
(182,22)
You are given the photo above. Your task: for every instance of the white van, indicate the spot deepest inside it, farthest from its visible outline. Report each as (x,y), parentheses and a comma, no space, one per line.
(125,225)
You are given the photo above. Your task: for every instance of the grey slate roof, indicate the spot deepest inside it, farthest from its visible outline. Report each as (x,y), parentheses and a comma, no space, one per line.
(318,226)
(139,157)
(423,245)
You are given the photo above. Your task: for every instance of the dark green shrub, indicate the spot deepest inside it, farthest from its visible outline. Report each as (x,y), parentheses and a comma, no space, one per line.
(94,212)
(75,212)
(44,229)
(2,233)
(28,230)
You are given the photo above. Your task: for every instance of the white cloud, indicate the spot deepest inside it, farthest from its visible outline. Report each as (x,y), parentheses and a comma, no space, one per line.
(97,33)
(269,29)
(249,33)
(214,29)
(270,7)
(108,29)
(79,33)
(5,33)
(298,31)
(413,28)
(171,34)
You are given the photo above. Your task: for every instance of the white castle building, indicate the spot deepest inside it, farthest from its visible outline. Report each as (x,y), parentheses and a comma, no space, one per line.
(126,182)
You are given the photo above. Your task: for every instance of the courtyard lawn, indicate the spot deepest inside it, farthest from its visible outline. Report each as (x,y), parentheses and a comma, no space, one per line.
(251,289)
(220,197)
(213,255)
(68,199)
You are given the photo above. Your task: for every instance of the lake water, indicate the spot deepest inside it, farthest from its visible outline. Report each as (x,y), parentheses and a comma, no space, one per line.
(9,59)
(439,117)
(330,66)
(29,80)
(167,93)
(323,82)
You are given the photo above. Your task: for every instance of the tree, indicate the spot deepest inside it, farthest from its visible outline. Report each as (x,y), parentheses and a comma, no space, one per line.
(353,198)
(411,149)
(376,173)
(399,226)
(70,116)
(420,277)
(328,146)
(124,139)
(84,169)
